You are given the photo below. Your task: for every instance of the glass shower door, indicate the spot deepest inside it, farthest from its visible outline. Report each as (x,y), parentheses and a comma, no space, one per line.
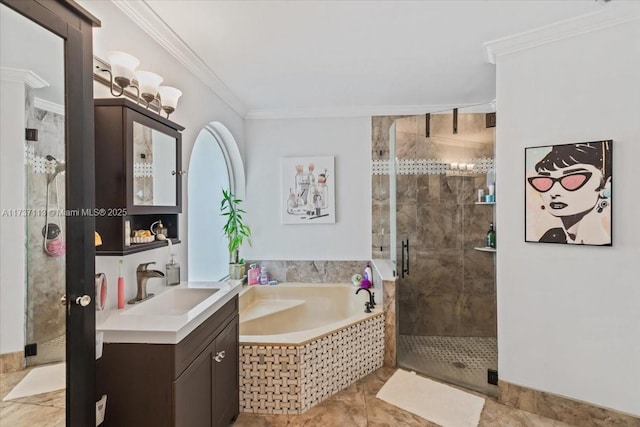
(447,311)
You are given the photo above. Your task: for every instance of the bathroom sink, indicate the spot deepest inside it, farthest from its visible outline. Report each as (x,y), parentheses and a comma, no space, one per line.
(173,302)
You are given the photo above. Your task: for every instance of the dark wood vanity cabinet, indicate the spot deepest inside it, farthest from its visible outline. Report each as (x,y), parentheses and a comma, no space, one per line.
(138,163)
(194,383)
(206,394)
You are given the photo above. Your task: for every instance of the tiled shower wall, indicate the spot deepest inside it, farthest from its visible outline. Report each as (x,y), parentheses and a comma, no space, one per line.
(450,290)
(45,274)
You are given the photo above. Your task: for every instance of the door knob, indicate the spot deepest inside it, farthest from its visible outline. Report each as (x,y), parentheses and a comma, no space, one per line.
(84,300)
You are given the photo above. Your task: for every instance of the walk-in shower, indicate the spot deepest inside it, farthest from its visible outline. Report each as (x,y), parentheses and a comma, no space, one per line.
(45,236)
(427,218)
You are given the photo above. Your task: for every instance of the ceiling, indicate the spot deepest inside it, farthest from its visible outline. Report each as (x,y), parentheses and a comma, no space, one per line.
(297,58)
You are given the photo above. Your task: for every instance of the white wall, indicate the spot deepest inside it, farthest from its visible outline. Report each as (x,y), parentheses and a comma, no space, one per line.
(198,106)
(569,317)
(268,141)
(12,227)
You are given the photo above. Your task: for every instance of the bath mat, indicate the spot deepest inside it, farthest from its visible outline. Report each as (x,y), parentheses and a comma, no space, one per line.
(433,401)
(40,380)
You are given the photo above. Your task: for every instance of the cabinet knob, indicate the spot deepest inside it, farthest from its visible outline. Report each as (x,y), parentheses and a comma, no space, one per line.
(219,356)
(178,172)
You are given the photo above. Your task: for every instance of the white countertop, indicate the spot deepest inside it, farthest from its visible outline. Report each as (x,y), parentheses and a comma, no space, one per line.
(385,268)
(122,326)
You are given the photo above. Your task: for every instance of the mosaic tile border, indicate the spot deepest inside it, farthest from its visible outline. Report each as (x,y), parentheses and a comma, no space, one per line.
(292,379)
(430,166)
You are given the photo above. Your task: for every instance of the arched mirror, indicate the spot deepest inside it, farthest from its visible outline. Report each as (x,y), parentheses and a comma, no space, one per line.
(215,164)
(47,329)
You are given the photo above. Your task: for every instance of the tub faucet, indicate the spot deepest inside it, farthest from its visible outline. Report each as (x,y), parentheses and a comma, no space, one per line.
(369,304)
(142,275)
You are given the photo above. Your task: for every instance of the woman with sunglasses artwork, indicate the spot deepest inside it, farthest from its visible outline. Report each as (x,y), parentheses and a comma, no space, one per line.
(573,182)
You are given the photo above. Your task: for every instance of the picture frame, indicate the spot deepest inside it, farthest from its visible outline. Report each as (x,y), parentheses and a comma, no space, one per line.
(308,190)
(568,193)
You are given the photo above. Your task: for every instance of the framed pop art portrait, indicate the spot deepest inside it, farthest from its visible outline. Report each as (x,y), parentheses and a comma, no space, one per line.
(568,193)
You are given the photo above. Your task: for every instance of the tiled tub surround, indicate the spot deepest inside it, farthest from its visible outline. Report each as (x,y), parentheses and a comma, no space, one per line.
(312,271)
(384,278)
(302,343)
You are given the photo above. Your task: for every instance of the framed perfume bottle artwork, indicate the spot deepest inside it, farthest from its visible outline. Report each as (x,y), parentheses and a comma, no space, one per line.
(308,189)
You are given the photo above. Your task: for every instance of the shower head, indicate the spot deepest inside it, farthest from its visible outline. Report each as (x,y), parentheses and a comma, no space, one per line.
(60,166)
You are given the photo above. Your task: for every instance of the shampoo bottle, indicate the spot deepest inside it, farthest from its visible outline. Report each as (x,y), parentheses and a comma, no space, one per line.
(491,237)
(367,273)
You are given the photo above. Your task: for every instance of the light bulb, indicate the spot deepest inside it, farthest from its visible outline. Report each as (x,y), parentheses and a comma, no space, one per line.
(123,67)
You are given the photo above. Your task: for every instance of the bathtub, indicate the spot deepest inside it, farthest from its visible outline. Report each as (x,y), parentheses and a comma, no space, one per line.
(301,343)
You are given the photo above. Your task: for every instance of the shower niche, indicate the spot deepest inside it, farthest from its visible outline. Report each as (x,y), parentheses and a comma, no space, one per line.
(138,176)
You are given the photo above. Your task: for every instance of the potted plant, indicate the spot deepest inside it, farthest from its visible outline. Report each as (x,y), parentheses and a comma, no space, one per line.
(236,231)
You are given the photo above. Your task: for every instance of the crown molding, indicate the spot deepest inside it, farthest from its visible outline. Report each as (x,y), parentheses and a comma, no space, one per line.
(341,112)
(27,77)
(611,15)
(43,104)
(143,16)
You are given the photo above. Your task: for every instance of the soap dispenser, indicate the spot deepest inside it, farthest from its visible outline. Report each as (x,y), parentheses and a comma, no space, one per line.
(173,272)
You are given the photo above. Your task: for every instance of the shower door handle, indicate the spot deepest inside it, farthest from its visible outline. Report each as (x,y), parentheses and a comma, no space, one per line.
(404,266)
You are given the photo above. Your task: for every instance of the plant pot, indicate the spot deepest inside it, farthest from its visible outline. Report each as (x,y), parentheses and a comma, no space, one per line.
(237,271)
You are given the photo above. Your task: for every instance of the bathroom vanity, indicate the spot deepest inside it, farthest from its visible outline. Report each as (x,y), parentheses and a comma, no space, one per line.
(173,361)
(138,161)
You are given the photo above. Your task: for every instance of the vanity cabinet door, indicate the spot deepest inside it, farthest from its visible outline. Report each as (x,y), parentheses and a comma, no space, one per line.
(193,392)
(154,165)
(226,375)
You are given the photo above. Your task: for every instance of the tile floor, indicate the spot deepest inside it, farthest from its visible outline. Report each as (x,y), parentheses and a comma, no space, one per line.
(456,360)
(357,406)
(42,410)
(354,406)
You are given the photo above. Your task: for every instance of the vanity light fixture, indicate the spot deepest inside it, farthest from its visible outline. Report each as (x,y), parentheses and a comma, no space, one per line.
(121,68)
(169,98)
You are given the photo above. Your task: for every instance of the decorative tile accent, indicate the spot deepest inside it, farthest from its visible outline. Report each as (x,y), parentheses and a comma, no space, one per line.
(562,408)
(292,379)
(142,169)
(430,167)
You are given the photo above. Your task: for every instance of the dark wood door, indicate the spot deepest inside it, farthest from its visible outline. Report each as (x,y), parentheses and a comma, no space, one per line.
(73,24)
(226,372)
(193,393)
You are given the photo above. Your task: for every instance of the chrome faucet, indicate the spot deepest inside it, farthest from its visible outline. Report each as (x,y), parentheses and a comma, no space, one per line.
(142,275)
(369,304)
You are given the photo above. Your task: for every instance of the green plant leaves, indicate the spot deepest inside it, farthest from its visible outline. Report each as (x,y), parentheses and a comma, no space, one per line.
(235,229)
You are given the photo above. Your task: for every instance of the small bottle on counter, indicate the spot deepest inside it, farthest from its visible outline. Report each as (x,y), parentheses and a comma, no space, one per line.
(173,272)
(264,276)
(127,233)
(253,276)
